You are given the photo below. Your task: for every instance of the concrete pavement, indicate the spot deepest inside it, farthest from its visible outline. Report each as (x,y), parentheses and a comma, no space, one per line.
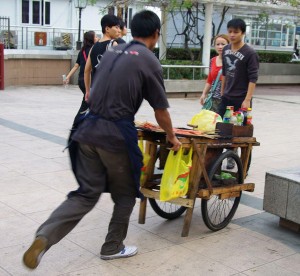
(35,177)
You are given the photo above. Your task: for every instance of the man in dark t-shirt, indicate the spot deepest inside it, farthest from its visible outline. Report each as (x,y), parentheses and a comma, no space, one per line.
(108,154)
(240,69)
(110,25)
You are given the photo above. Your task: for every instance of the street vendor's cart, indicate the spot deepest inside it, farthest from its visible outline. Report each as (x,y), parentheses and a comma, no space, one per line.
(220,196)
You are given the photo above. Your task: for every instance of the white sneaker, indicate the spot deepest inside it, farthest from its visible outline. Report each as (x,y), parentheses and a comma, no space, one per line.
(128,251)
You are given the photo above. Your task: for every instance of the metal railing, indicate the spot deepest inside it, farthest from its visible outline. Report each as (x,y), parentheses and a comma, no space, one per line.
(46,38)
(201,68)
(29,37)
(5,32)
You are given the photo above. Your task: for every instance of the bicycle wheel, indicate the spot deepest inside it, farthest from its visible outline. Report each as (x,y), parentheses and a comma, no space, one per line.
(216,212)
(165,210)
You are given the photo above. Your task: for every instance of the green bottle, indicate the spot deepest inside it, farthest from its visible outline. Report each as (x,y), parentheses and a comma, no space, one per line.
(227,115)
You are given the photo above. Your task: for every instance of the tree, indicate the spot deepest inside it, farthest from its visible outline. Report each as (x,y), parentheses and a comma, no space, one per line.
(186,15)
(190,13)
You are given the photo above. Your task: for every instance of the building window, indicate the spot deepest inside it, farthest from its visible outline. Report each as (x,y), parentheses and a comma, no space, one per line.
(36,12)
(25,11)
(47,13)
(111,10)
(124,13)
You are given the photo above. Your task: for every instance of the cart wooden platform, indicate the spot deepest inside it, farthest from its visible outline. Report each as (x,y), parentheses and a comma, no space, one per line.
(219,197)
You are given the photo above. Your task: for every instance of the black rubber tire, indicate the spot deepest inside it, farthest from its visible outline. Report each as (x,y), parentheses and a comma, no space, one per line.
(166,210)
(224,210)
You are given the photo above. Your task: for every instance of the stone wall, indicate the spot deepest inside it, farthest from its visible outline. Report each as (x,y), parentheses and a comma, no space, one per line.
(36,67)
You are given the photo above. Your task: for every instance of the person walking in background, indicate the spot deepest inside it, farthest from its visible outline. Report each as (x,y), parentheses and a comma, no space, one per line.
(108,155)
(89,38)
(296,50)
(110,25)
(240,69)
(123,32)
(211,95)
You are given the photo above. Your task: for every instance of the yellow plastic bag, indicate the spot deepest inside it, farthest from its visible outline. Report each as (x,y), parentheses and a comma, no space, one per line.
(206,120)
(175,179)
(146,159)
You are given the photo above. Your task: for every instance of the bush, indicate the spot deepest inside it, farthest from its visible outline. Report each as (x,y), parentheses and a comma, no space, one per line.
(178,56)
(182,73)
(274,56)
(264,55)
(182,54)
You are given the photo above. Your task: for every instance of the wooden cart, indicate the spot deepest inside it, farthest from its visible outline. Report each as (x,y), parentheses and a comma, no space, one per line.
(220,197)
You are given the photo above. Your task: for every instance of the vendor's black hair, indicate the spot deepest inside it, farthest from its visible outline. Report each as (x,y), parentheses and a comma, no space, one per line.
(109,20)
(144,24)
(237,23)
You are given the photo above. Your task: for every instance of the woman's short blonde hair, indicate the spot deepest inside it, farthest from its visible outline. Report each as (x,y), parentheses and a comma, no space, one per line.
(224,36)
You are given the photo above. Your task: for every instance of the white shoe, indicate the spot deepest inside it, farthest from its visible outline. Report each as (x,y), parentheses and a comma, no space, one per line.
(128,251)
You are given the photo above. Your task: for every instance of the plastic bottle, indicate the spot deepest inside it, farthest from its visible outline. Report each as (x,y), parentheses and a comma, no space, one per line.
(64,79)
(233,118)
(244,112)
(231,109)
(227,115)
(249,116)
(240,118)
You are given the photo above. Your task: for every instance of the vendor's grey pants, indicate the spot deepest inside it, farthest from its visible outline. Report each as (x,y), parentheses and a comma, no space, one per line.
(96,168)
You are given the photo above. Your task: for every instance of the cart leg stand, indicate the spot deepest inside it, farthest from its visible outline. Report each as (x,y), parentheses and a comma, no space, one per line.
(245,154)
(196,173)
(143,209)
(151,149)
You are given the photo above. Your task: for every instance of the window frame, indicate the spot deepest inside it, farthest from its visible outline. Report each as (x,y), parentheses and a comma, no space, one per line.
(44,13)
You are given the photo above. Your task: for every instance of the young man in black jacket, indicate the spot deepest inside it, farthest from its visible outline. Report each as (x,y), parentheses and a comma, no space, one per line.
(240,69)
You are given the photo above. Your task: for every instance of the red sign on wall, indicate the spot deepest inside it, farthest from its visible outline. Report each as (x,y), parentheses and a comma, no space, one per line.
(1,66)
(40,38)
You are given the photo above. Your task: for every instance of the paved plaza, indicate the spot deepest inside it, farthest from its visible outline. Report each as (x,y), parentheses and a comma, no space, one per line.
(35,177)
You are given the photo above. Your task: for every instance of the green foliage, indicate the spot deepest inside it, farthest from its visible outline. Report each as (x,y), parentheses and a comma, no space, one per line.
(180,54)
(177,56)
(274,56)
(182,73)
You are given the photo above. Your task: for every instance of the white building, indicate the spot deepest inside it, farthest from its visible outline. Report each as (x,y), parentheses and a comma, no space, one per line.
(42,24)
(273,32)
(48,24)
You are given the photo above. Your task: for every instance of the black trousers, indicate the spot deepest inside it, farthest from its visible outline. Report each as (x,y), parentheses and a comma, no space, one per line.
(83,107)
(97,170)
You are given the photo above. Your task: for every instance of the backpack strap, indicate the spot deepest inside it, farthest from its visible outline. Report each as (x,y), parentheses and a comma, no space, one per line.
(84,55)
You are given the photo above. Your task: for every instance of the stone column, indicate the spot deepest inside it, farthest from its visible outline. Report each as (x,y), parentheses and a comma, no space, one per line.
(163,37)
(207,35)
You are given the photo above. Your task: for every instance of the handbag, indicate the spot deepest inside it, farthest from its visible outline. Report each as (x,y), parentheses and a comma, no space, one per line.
(208,101)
